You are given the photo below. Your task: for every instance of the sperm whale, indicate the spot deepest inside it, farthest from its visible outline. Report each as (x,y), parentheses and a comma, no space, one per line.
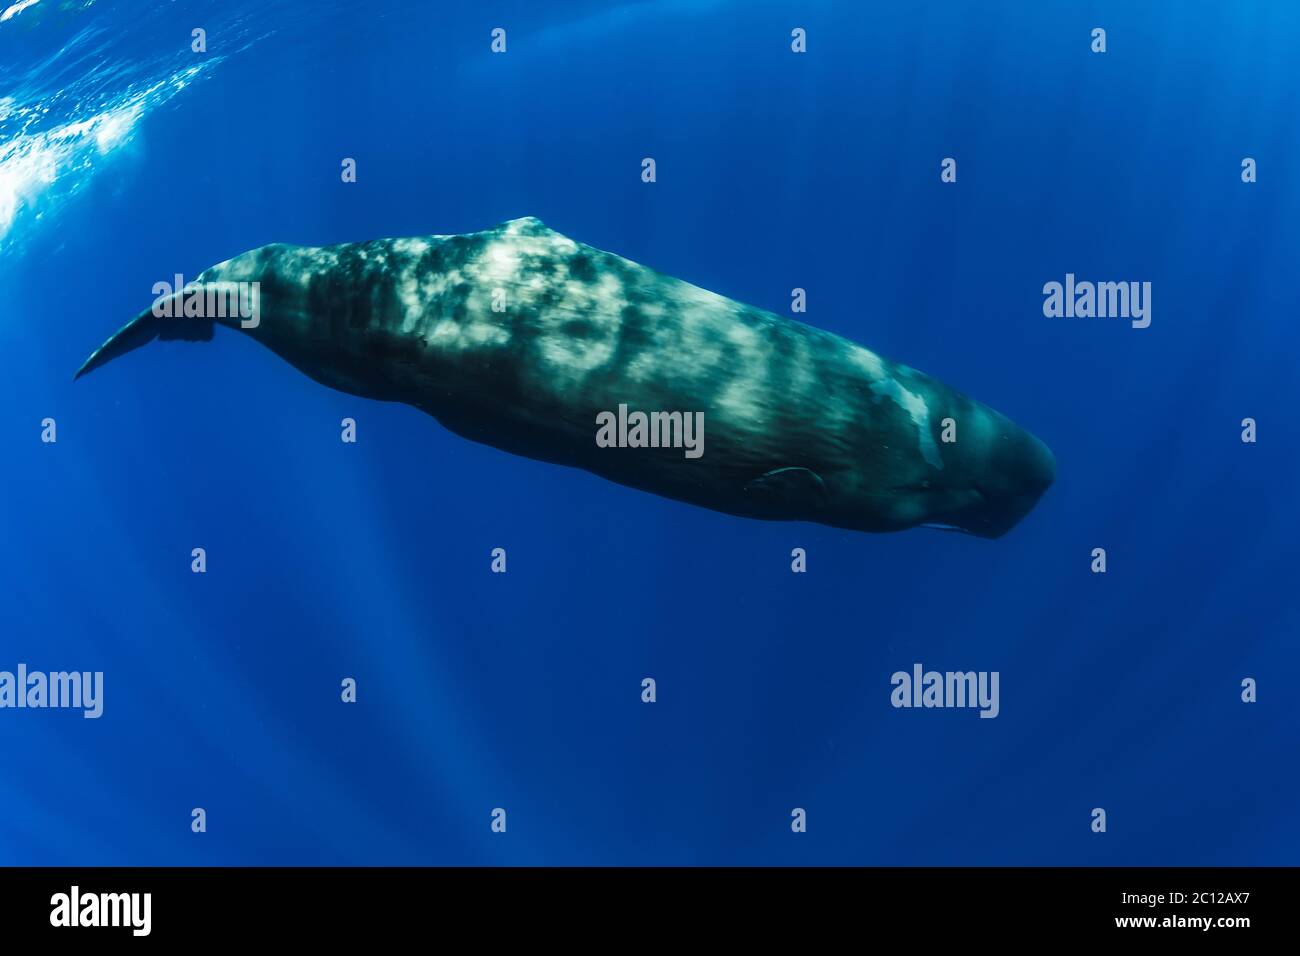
(524,339)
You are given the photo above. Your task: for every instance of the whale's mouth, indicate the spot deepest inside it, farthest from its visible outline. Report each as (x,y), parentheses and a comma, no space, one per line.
(991,508)
(992,515)
(987,517)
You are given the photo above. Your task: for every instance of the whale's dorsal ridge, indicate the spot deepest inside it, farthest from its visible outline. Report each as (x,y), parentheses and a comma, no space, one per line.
(525,226)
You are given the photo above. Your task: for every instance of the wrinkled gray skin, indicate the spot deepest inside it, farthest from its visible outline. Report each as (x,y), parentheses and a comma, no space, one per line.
(799,424)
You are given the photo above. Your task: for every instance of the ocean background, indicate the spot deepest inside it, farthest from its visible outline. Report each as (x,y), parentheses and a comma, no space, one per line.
(126,158)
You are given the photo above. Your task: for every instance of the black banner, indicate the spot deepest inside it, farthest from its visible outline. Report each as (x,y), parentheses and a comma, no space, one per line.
(215,905)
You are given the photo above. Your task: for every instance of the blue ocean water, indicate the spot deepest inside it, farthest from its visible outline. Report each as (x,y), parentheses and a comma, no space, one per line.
(125,157)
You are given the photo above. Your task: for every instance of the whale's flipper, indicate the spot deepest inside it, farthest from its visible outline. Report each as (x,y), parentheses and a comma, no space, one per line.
(142,330)
(791,487)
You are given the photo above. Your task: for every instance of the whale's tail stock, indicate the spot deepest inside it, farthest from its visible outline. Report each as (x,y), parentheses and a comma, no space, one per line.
(142,330)
(229,293)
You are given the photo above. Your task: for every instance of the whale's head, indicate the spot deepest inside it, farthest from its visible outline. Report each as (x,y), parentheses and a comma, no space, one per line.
(993,482)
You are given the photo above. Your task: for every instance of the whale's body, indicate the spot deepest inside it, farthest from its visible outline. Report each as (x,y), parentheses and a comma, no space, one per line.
(519,337)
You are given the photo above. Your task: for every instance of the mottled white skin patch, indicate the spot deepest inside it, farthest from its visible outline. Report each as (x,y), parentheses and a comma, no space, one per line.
(584,331)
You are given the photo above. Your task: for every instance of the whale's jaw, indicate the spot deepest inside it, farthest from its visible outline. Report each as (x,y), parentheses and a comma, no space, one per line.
(1020,471)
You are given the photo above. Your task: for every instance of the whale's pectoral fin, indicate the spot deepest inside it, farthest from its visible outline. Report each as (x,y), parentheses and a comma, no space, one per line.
(142,330)
(795,490)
